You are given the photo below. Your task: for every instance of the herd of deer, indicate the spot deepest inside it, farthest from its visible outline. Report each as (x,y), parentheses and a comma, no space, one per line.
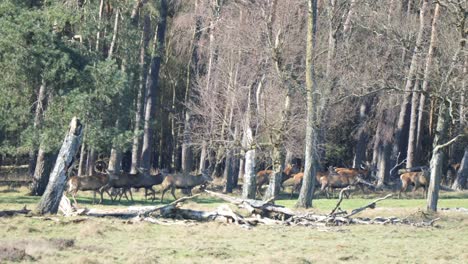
(332,179)
(101,183)
(335,178)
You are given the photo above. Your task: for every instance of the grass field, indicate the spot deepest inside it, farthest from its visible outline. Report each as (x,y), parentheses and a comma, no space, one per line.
(110,240)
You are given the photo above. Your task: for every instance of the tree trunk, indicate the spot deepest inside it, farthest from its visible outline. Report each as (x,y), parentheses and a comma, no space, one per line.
(425,85)
(45,163)
(275,180)
(308,182)
(250,185)
(397,147)
(98,35)
(347,23)
(436,163)
(383,162)
(411,154)
(187,157)
(362,136)
(152,89)
(82,162)
(136,146)
(331,37)
(50,201)
(241,167)
(228,172)
(462,173)
(92,156)
(202,166)
(40,105)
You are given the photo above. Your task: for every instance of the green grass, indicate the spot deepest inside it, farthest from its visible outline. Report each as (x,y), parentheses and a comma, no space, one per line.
(111,240)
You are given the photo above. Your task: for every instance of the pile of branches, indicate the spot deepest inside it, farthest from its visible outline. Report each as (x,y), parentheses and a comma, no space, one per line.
(250,213)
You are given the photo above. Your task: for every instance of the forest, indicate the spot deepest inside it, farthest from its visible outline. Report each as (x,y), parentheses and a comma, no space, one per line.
(236,86)
(248,99)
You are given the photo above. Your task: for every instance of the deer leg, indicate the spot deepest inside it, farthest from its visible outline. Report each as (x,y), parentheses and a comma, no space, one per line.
(162,195)
(173,193)
(94,197)
(130,191)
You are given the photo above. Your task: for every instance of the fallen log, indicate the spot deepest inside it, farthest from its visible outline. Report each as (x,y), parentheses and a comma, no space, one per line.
(260,213)
(14,212)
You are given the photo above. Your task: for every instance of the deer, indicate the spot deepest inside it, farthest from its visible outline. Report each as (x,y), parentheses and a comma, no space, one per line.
(341,179)
(147,181)
(297,180)
(417,179)
(364,172)
(122,180)
(95,182)
(263,176)
(181,181)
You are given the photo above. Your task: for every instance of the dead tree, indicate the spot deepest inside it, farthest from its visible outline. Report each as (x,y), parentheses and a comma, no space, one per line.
(50,201)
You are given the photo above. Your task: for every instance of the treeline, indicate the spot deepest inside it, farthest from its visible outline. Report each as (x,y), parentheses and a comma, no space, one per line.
(232,85)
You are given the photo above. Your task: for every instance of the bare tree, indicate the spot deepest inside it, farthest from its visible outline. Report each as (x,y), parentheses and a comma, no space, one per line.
(308,182)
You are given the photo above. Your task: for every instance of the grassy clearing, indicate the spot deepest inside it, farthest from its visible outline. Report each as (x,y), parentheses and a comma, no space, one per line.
(111,240)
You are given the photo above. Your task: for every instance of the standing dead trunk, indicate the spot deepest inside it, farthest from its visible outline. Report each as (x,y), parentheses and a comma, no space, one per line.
(152,89)
(248,144)
(411,154)
(397,147)
(425,85)
(50,201)
(462,173)
(308,182)
(437,157)
(137,137)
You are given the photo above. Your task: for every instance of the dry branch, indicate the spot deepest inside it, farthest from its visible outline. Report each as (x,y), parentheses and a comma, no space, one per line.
(370,205)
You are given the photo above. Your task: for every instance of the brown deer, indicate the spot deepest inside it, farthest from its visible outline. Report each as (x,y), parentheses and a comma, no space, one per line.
(147,181)
(181,181)
(94,183)
(297,179)
(341,179)
(417,179)
(263,176)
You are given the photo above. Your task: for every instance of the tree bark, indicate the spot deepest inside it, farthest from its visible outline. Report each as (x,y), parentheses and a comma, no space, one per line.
(228,172)
(137,137)
(411,157)
(40,106)
(275,179)
(82,161)
(436,163)
(92,156)
(331,37)
(425,85)
(397,147)
(45,163)
(462,173)
(50,201)
(362,136)
(249,186)
(203,156)
(308,182)
(152,90)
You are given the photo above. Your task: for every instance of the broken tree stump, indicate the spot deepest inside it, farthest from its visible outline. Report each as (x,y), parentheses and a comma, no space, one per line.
(52,196)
